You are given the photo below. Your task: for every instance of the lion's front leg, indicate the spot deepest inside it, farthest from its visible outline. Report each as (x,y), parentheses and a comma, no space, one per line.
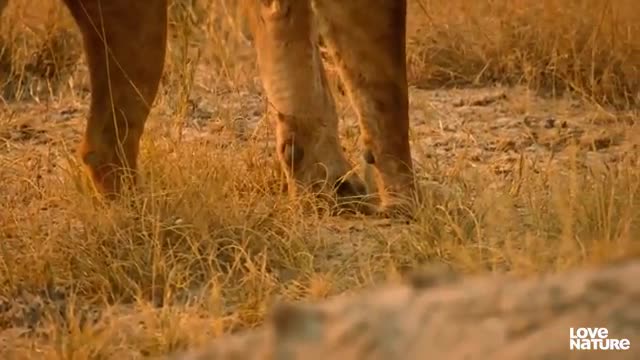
(124,44)
(367,41)
(299,100)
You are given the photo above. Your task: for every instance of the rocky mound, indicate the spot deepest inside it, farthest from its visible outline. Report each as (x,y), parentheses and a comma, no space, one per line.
(436,315)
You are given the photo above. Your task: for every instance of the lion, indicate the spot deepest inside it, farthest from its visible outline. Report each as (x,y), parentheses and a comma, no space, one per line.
(125,45)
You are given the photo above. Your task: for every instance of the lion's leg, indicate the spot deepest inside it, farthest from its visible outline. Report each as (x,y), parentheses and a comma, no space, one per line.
(124,44)
(300,102)
(367,41)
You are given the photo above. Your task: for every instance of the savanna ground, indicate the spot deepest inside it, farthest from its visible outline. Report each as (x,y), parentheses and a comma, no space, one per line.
(524,129)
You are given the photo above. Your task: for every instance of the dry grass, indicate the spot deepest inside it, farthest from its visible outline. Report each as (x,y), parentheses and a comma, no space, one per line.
(211,241)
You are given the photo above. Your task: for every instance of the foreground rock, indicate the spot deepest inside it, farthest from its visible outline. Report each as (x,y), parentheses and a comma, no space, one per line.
(437,316)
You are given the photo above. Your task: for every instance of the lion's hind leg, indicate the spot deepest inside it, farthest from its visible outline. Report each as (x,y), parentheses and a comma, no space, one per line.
(124,44)
(300,102)
(366,39)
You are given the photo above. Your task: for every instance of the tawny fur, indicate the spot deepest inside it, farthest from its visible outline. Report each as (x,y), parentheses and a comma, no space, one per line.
(125,44)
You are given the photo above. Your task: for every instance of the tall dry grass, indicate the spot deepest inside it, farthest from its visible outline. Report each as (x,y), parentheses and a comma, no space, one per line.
(590,47)
(210,240)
